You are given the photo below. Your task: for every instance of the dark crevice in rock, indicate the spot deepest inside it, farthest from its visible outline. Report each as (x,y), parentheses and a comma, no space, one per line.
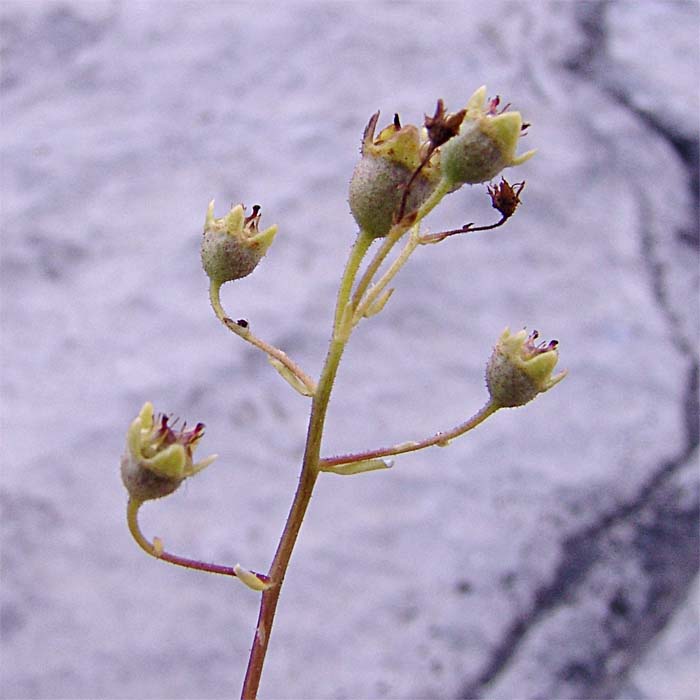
(666,539)
(692,405)
(688,151)
(591,21)
(663,530)
(588,65)
(658,273)
(665,547)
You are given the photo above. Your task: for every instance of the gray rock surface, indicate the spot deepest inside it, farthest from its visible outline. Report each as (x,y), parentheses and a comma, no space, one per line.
(551,554)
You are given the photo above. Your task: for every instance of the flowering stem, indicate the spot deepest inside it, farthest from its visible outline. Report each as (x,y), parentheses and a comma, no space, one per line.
(241,329)
(467,228)
(376,262)
(157,551)
(441,439)
(309,472)
(504,197)
(346,316)
(390,240)
(386,278)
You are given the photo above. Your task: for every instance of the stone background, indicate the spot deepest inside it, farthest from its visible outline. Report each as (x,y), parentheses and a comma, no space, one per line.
(552,554)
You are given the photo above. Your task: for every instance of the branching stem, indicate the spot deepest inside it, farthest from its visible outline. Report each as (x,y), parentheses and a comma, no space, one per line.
(241,329)
(467,228)
(381,284)
(132,510)
(346,315)
(387,244)
(441,439)
(309,473)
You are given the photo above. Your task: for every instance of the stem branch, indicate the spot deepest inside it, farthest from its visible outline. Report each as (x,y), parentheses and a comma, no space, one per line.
(386,278)
(395,233)
(242,330)
(440,438)
(132,510)
(309,473)
(467,228)
(345,313)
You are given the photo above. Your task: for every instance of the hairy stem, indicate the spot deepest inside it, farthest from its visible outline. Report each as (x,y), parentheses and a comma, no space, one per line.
(387,244)
(242,330)
(132,510)
(309,473)
(467,228)
(342,327)
(441,439)
(386,278)
(396,232)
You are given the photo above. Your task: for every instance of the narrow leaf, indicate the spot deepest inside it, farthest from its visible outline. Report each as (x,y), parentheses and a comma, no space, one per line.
(366,465)
(291,378)
(248,578)
(379,303)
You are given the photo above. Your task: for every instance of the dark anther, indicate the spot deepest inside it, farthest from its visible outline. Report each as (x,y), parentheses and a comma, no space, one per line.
(494,104)
(397,121)
(242,323)
(253,218)
(440,129)
(441,126)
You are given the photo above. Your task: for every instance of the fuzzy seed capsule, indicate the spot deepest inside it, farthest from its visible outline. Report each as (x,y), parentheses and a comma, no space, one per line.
(233,246)
(376,190)
(485,145)
(519,369)
(377,186)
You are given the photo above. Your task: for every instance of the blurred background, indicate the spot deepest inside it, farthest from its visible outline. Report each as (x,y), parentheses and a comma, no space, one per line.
(553,553)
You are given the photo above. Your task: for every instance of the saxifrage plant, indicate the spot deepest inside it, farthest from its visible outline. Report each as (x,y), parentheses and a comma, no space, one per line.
(404,172)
